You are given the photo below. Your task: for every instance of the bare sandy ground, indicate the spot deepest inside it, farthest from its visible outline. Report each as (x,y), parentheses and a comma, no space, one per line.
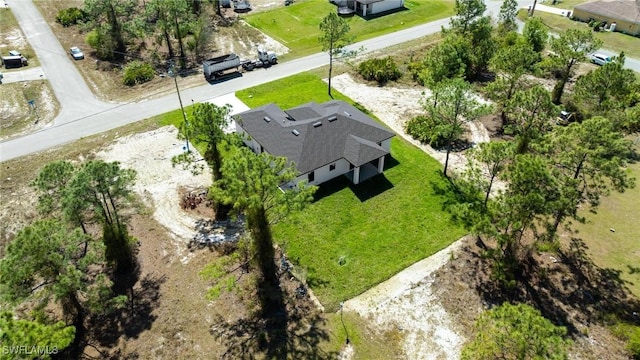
(158,182)
(407,302)
(395,106)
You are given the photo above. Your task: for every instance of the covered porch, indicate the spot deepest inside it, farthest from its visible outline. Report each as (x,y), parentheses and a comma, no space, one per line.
(364,172)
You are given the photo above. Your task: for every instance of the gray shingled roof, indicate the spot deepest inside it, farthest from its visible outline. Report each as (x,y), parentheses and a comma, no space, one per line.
(353,135)
(627,10)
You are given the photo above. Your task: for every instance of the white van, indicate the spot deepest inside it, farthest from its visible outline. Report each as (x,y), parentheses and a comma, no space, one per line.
(599,59)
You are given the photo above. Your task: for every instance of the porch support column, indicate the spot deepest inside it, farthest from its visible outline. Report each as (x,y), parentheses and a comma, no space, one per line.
(380,164)
(356,175)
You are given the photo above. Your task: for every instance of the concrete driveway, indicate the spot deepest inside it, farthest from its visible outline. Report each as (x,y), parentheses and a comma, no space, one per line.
(35,73)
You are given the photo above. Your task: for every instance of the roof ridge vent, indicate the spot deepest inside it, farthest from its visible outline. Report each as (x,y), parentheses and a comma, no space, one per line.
(332,118)
(317,124)
(295,132)
(267,119)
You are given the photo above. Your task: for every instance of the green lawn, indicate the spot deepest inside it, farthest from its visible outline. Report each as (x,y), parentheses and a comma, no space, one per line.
(297,26)
(614,41)
(618,250)
(354,237)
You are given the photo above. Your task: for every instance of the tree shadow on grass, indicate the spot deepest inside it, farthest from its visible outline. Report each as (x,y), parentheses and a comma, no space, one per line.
(365,190)
(371,187)
(451,191)
(287,327)
(567,288)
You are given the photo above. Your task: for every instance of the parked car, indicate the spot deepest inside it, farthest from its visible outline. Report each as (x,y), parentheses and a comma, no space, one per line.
(564,118)
(14,53)
(599,59)
(76,53)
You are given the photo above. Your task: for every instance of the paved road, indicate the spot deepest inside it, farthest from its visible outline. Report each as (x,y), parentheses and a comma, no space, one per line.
(83,115)
(75,99)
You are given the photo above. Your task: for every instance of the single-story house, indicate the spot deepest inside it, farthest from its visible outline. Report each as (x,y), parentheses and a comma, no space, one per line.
(367,8)
(324,141)
(625,14)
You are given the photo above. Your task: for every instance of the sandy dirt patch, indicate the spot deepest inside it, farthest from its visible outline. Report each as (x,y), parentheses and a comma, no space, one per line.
(395,106)
(407,302)
(15,39)
(158,182)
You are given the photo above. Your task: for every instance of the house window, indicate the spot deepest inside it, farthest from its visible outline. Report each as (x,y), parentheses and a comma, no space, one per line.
(261,149)
(332,167)
(311,176)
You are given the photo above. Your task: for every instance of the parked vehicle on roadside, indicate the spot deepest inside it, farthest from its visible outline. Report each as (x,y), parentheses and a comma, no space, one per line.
(14,61)
(76,53)
(217,67)
(599,59)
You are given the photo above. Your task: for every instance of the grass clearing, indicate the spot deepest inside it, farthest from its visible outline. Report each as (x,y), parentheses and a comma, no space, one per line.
(613,41)
(354,237)
(367,344)
(619,250)
(297,25)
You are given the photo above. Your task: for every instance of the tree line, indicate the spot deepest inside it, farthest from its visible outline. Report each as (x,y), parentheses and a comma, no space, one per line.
(550,171)
(69,257)
(145,32)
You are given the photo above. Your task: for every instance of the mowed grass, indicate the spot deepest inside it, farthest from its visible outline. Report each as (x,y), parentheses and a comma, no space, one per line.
(297,25)
(619,250)
(613,41)
(354,237)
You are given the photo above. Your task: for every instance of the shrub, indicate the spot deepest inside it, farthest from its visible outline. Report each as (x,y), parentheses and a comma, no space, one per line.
(427,130)
(631,335)
(516,332)
(137,72)
(416,70)
(101,43)
(71,16)
(380,70)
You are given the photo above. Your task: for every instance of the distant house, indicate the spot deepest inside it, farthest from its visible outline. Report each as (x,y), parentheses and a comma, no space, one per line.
(367,8)
(625,14)
(323,140)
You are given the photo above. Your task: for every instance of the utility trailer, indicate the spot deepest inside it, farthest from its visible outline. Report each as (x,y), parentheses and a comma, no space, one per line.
(218,66)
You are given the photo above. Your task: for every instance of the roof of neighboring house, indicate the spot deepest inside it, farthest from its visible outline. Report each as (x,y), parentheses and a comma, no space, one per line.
(326,133)
(626,10)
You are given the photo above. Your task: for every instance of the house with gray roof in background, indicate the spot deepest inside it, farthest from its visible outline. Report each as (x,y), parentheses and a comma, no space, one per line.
(625,14)
(324,141)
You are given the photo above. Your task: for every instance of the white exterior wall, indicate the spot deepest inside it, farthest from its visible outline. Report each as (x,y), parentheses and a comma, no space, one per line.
(385,5)
(386,145)
(323,174)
